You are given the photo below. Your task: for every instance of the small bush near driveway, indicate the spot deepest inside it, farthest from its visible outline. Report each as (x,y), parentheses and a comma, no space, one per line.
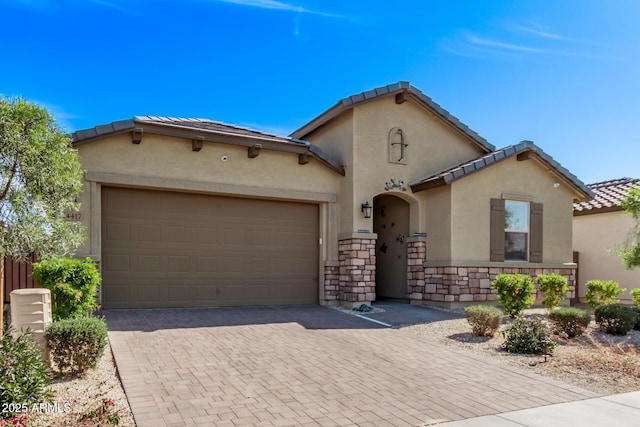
(529,335)
(570,321)
(616,319)
(77,344)
(73,284)
(484,319)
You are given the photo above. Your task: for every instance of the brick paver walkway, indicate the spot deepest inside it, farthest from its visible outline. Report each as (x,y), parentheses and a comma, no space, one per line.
(306,366)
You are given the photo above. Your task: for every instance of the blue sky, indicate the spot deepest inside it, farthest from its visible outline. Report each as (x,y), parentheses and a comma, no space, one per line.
(564,74)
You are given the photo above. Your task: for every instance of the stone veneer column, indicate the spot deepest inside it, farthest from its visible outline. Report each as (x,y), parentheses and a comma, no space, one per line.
(357,258)
(331,281)
(416,257)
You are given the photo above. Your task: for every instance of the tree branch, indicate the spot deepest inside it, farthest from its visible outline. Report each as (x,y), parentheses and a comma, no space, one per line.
(14,169)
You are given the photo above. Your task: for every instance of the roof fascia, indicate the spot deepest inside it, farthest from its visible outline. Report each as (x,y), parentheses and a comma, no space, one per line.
(594,211)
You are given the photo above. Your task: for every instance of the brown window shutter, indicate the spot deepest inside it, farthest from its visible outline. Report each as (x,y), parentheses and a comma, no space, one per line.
(497,230)
(535,230)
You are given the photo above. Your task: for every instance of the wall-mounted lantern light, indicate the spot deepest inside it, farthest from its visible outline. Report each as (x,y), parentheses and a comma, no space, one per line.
(366,210)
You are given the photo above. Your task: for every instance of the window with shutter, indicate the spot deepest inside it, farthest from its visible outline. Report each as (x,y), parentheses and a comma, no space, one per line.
(516,231)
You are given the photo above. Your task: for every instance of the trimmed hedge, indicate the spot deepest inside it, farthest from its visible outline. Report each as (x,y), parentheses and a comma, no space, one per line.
(484,319)
(73,285)
(616,319)
(77,344)
(570,321)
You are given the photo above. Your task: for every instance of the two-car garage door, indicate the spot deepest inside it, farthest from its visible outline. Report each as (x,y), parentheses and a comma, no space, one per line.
(166,249)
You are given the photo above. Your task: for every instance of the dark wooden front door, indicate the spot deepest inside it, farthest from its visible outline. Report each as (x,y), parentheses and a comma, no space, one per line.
(391,224)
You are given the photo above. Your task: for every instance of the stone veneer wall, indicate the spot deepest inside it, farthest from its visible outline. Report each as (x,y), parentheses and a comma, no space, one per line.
(416,257)
(473,284)
(331,282)
(357,270)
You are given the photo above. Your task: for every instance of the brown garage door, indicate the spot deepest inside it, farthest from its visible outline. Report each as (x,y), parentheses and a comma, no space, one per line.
(164,249)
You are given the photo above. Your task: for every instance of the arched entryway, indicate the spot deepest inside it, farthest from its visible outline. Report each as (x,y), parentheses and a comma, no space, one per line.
(391,224)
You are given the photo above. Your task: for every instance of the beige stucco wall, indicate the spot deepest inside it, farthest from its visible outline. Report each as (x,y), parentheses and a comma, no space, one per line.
(169,163)
(433,146)
(438,223)
(470,208)
(335,139)
(595,236)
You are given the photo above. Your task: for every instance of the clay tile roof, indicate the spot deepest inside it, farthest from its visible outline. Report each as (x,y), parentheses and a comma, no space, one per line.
(214,126)
(525,149)
(607,196)
(187,123)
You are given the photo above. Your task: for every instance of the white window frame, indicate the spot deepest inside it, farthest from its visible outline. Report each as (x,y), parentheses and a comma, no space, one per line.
(526,230)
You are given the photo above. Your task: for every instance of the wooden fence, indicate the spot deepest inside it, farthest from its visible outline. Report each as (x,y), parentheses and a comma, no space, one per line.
(17,275)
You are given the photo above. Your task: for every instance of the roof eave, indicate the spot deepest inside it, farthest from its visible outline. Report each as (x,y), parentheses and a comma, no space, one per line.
(204,135)
(581,191)
(594,211)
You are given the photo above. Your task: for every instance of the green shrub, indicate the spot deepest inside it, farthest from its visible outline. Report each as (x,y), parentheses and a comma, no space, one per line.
(601,292)
(23,375)
(484,319)
(570,321)
(77,344)
(529,335)
(514,292)
(73,284)
(635,294)
(615,319)
(555,288)
(637,325)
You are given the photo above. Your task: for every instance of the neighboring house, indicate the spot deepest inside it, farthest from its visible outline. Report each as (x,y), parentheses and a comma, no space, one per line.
(599,226)
(383,195)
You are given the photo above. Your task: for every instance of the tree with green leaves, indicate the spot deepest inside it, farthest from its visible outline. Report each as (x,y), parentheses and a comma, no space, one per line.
(629,251)
(40,180)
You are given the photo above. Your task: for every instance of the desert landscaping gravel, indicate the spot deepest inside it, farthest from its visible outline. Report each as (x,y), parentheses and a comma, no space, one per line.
(596,361)
(83,394)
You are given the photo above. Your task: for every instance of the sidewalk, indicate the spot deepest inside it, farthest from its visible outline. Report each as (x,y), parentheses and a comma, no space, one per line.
(620,410)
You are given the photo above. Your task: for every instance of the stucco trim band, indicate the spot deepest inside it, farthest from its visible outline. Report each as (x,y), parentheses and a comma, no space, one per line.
(208,187)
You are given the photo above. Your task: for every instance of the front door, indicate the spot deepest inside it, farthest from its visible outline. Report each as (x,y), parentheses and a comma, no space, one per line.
(391,224)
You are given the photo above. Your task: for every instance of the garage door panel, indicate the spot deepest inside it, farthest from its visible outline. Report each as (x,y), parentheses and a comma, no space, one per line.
(114,263)
(178,264)
(206,293)
(178,234)
(117,231)
(207,264)
(148,263)
(147,294)
(118,294)
(163,249)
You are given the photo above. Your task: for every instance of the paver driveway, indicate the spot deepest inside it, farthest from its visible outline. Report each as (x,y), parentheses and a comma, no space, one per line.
(306,366)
